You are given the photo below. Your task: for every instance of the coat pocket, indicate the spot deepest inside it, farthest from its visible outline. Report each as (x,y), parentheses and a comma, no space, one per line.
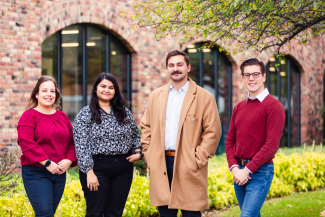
(192,118)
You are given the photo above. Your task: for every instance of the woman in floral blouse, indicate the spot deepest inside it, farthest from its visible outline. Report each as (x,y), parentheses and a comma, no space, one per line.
(107,143)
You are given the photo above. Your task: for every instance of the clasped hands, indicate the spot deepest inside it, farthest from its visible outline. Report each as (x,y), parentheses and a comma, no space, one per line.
(240,176)
(59,168)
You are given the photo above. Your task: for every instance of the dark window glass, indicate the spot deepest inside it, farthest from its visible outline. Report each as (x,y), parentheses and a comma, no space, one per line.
(295,112)
(273,89)
(194,54)
(289,97)
(223,99)
(208,71)
(50,56)
(76,81)
(95,56)
(118,66)
(72,83)
(215,79)
(284,100)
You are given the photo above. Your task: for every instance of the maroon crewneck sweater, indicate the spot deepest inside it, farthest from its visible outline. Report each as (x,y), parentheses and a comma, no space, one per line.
(255,132)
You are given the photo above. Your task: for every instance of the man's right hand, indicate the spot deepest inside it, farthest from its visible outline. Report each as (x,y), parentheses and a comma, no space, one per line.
(234,170)
(239,178)
(92,181)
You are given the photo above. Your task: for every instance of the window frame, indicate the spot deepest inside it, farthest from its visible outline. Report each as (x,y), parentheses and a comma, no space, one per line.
(216,77)
(268,83)
(108,36)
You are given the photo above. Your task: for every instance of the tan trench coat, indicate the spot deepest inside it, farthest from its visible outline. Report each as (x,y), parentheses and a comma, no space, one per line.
(199,132)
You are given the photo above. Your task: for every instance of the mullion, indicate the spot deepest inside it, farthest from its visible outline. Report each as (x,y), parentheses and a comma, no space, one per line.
(216,85)
(299,107)
(108,53)
(278,69)
(268,77)
(289,102)
(129,84)
(59,59)
(229,91)
(84,65)
(201,68)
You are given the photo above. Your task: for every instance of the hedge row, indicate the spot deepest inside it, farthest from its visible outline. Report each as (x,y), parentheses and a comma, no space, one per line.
(296,172)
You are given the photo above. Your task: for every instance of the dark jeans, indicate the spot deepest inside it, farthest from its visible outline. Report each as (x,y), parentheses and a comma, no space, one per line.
(163,210)
(44,189)
(114,174)
(251,196)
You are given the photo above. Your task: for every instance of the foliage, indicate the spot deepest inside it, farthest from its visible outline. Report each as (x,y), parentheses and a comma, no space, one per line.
(235,25)
(138,202)
(8,180)
(297,204)
(141,166)
(296,172)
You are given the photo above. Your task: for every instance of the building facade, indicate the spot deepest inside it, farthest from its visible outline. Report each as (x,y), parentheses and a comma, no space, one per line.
(75,40)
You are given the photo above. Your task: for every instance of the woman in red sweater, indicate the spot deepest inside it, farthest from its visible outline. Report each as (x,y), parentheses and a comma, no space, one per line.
(46,139)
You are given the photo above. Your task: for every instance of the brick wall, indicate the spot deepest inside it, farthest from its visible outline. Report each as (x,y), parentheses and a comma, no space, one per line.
(25,24)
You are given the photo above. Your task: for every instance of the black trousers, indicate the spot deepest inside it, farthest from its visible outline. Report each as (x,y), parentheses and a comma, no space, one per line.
(114,175)
(163,210)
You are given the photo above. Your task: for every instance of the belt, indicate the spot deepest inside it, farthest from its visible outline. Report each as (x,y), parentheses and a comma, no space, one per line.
(243,162)
(170,153)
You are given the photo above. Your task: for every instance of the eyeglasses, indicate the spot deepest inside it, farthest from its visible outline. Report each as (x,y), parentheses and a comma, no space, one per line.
(254,74)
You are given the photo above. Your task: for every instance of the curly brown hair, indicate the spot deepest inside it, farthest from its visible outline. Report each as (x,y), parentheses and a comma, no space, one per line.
(33,102)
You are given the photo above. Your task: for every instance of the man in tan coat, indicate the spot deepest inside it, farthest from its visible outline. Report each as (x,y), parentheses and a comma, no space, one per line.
(180,131)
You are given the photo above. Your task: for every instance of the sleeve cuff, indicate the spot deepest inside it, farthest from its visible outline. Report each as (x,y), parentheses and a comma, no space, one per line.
(137,146)
(74,161)
(86,168)
(249,170)
(235,165)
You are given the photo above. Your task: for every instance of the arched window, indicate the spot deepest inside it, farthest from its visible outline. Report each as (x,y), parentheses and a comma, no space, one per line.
(76,55)
(283,82)
(212,70)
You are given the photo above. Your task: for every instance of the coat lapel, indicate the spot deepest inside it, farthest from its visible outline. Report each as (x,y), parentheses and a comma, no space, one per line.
(163,107)
(189,97)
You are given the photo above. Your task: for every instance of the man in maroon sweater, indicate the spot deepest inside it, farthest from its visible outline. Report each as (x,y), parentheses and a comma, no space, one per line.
(253,139)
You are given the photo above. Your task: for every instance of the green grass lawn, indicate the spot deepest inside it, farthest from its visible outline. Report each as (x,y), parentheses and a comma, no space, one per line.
(297,204)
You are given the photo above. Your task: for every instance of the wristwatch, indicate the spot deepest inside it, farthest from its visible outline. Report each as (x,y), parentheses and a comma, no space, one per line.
(139,152)
(47,163)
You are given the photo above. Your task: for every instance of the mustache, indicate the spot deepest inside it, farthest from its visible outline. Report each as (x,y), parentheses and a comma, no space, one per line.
(176,72)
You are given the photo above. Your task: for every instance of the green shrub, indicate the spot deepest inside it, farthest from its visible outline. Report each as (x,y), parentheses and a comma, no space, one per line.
(296,172)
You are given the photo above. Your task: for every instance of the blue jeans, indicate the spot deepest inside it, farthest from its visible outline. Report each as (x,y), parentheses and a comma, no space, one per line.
(44,189)
(251,196)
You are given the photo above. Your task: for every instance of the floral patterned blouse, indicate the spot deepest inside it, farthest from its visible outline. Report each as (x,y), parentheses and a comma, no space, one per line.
(108,138)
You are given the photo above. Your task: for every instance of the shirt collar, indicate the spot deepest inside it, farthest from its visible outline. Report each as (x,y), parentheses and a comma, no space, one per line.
(261,96)
(184,88)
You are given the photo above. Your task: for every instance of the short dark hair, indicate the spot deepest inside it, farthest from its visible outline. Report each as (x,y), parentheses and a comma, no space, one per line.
(252,62)
(176,53)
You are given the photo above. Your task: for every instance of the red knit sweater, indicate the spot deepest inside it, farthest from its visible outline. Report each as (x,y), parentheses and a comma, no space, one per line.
(255,132)
(42,137)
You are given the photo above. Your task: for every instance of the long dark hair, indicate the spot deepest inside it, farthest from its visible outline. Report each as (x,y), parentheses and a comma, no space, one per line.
(33,102)
(117,103)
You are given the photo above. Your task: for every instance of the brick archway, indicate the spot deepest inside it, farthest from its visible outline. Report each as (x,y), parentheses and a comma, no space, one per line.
(97,12)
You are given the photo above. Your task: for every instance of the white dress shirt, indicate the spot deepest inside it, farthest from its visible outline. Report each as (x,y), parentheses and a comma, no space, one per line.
(173,111)
(261,96)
